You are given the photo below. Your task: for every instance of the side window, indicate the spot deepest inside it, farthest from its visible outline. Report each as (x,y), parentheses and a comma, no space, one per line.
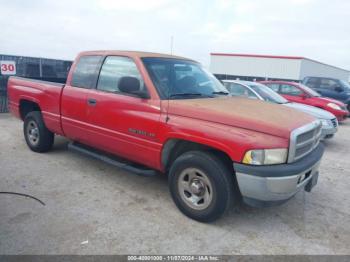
(86,71)
(328,83)
(274,87)
(115,67)
(227,85)
(290,90)
(239,90)
(312,82)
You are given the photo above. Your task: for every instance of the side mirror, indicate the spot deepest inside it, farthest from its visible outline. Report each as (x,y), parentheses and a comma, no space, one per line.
(339,89)
(141,94)
(131,85)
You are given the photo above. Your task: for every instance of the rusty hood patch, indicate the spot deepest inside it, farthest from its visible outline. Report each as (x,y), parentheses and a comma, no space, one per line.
(244,113)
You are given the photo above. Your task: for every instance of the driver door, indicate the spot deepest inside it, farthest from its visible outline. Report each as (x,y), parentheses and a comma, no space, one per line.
(122,123)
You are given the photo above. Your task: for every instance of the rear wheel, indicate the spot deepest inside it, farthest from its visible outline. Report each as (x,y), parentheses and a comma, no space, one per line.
(38,137)
(201,185)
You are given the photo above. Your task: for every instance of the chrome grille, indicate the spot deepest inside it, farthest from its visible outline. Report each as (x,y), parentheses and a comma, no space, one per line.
(304,140)
(305,136)
(335,122)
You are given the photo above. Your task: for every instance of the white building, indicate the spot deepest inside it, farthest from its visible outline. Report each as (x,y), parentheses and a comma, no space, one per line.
(260,67)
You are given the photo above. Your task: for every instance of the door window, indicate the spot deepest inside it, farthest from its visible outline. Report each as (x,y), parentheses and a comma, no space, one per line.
(86,72)
(239,90)
(290,90)
(115,67)
(274,87)
(312,82)
(328,83)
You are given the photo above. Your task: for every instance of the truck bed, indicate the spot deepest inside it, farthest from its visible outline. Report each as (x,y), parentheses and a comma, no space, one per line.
(44,93)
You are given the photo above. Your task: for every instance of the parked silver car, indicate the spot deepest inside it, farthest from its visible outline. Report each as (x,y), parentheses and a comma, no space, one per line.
(259,91)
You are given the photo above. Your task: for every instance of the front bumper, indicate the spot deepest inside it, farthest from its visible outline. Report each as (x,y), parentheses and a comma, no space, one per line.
(328,132)
(270,185)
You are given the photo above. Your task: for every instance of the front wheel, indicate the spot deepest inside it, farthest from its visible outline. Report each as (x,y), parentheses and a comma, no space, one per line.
(201,185)
(38,137)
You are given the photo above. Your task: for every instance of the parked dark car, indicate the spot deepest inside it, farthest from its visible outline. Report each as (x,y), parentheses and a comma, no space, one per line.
(330,87)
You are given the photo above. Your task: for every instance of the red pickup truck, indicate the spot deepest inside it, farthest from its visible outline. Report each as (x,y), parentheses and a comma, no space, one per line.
(162,113)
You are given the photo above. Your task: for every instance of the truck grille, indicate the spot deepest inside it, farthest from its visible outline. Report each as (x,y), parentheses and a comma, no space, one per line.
(335,122)
(304,140)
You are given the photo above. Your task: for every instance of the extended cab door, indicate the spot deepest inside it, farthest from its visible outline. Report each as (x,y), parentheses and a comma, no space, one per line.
(122,123)
(74,102)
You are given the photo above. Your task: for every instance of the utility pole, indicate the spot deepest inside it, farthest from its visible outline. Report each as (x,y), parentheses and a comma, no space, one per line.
(171,44)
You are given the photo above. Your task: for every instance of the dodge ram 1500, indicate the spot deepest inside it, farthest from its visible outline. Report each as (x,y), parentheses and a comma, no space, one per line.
(167,114)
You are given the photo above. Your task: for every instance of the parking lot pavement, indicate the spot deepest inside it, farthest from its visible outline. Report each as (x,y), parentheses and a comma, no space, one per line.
(94,208)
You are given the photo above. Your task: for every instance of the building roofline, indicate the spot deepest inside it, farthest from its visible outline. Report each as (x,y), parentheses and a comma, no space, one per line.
(277,57)
(312,60)
(260,56)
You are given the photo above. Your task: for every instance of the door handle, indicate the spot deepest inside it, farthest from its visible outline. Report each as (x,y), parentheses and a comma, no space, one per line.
(92,102)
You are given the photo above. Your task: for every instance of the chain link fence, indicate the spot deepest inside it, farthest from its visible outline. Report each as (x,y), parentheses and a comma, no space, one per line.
(3,102)
(35,68)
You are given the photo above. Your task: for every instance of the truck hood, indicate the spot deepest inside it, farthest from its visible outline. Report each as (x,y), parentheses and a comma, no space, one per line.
(314,111)
(256,115)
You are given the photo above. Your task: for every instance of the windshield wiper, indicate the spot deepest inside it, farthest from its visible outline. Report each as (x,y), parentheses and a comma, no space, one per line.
(187,94)
(220,93)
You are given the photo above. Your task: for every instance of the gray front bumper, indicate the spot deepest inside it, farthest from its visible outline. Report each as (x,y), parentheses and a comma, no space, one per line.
(270,185)
(328,132)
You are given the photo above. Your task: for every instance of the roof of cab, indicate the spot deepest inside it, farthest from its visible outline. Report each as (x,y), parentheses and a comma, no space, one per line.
(132,54)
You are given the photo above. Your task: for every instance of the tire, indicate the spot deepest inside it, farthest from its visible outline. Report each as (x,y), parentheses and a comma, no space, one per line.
(38,137)
(186,190)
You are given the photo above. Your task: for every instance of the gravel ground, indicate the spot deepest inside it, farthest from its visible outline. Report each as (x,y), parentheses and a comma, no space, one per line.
(94,208)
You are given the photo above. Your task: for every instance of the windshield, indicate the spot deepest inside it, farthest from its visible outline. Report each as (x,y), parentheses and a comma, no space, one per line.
(346,85)
(309,90)
(267,94)
(178,79)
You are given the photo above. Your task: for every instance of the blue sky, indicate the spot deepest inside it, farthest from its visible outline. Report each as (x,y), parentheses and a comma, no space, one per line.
(317,29)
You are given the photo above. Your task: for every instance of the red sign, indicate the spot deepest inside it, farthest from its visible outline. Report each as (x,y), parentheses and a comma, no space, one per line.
(8,67)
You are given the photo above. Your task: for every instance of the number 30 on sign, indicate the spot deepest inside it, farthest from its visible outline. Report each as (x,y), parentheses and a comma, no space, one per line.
(8,67)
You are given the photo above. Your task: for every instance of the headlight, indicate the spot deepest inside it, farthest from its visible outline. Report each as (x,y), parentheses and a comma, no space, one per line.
(334,106)
(266,156)
(326,122)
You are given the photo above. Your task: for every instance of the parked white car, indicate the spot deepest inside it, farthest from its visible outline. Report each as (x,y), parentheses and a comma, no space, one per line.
(259,91)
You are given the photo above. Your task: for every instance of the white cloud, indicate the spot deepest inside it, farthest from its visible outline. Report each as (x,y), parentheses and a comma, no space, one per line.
(136,5)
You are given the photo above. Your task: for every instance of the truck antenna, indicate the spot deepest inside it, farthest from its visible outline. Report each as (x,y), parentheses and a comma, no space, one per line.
(171,44)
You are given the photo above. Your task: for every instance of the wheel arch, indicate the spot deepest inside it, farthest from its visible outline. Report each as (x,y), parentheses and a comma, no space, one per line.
(174,147)
(26,106)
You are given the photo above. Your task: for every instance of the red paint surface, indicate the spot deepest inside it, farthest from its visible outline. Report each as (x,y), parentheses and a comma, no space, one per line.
(320,102)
